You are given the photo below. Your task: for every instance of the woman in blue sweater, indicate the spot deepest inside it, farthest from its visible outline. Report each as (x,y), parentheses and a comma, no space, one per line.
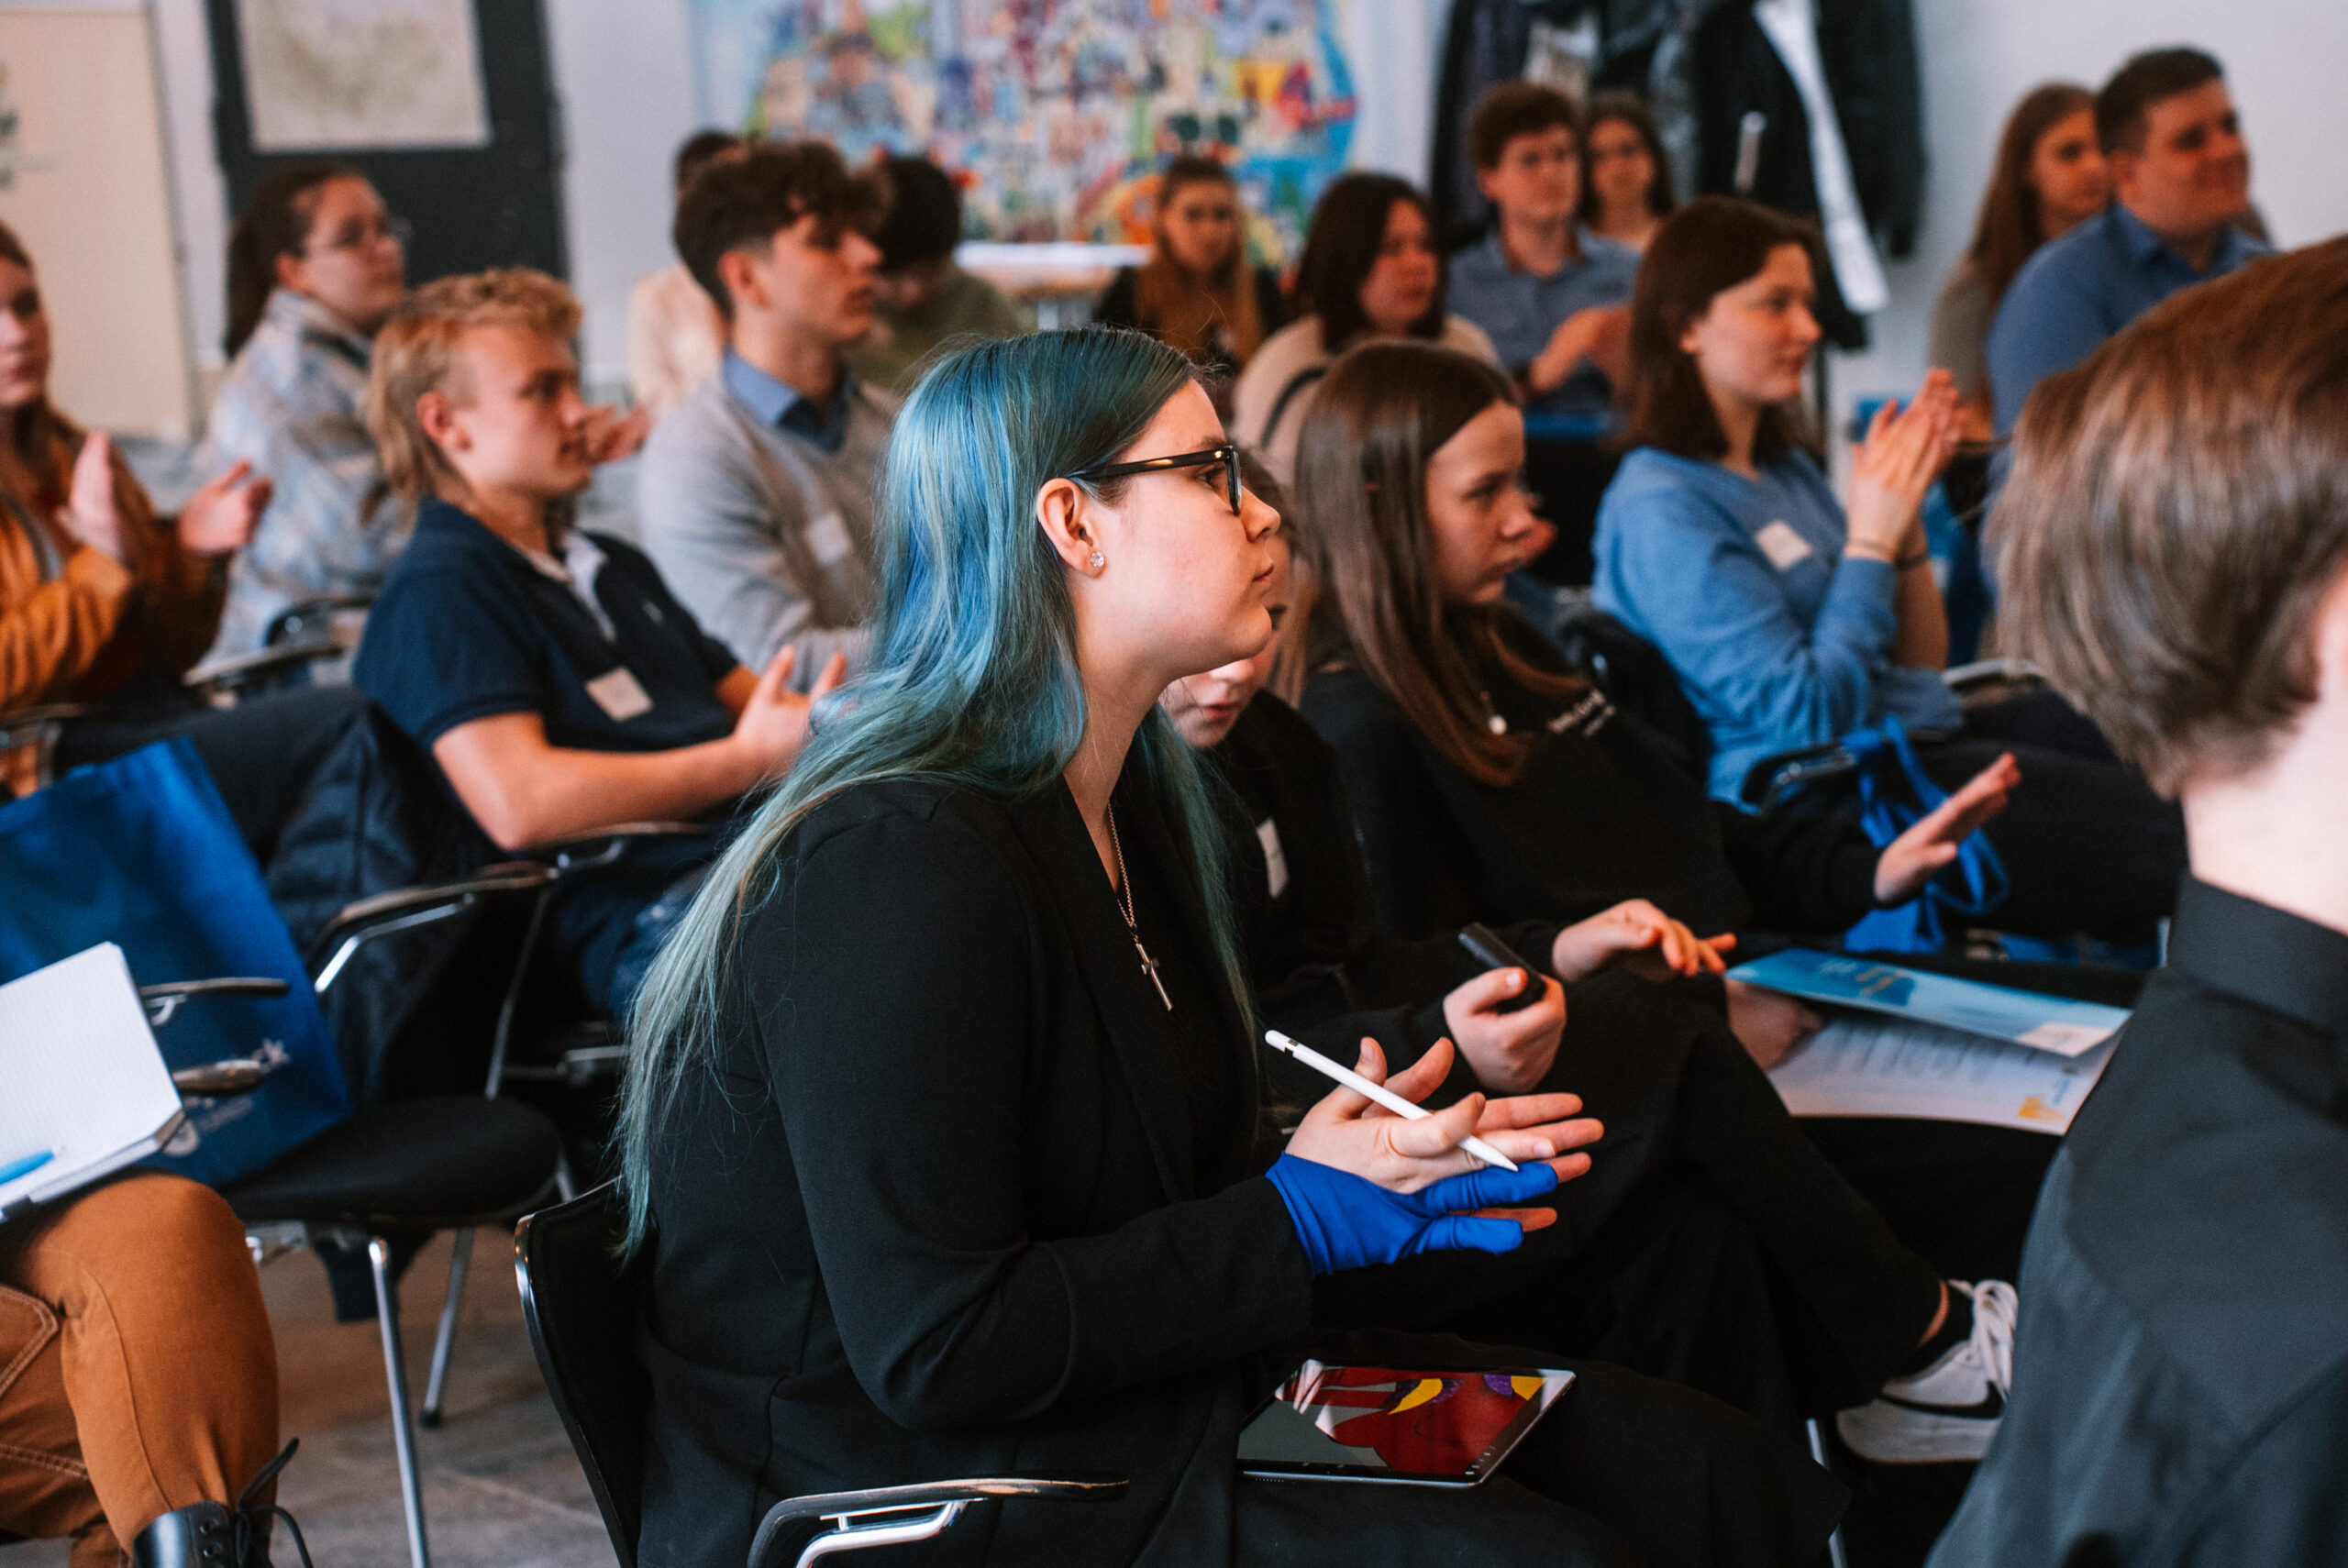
(1791,619)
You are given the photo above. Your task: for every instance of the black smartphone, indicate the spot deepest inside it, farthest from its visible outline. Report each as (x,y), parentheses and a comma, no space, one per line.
(1493,953)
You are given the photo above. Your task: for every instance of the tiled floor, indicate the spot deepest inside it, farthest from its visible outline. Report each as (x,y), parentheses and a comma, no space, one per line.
(501,1487)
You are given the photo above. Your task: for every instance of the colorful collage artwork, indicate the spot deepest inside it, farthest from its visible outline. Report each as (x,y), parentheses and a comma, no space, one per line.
(1055,111)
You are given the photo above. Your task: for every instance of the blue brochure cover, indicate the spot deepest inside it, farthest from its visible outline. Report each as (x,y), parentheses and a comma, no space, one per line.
(2025,1018)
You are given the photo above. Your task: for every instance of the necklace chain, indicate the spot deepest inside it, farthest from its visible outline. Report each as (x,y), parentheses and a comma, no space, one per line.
(1125,908)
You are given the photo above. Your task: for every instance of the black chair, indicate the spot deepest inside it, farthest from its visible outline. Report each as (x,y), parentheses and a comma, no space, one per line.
(222,684)
(432,1163)
(338,618)
(1632,673)
(582,1303)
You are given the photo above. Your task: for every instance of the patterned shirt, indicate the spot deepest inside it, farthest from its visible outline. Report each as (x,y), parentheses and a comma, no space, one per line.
(291,405)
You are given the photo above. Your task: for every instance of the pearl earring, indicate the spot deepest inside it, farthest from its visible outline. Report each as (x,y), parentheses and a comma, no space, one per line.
(1097,560)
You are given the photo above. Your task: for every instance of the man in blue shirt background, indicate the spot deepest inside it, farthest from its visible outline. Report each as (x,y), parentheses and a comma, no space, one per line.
(1553,296)
(2181,173)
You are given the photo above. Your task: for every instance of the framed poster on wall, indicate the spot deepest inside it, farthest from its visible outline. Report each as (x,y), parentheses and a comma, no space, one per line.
(339,75)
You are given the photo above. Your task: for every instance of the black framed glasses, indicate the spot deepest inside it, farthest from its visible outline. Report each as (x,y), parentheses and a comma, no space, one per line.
(1226,453)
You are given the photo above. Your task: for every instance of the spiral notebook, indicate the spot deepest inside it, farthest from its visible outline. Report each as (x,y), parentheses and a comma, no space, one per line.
(83,1091)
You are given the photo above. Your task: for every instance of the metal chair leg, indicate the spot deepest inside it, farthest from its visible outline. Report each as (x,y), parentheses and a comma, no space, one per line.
(378,1255)
(444,1344)
(1834,1553)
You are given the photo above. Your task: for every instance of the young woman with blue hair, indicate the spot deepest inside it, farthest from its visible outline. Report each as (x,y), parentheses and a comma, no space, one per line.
(940,1128)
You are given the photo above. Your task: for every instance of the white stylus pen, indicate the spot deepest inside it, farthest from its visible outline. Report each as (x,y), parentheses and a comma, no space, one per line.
(1387,1097)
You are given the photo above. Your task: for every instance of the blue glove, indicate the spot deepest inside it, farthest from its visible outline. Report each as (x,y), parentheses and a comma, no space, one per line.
(1346,1221)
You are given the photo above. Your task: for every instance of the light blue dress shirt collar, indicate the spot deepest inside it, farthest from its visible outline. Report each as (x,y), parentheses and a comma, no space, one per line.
(2147,249)
(778,404)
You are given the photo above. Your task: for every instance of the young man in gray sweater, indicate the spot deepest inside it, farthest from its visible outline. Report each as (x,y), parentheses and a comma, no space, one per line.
(755,490)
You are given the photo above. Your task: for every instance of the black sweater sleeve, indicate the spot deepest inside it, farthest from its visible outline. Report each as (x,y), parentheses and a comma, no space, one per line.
(1422,874)
(1803,874)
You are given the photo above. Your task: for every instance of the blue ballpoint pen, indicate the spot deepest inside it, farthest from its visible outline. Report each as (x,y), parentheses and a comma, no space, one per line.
(27,1165)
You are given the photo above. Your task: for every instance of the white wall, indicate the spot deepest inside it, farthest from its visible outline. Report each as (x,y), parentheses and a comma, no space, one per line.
(622,75)
(2283,63)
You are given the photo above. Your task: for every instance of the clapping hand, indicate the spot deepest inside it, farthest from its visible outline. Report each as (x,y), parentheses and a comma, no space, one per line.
(1909,861)
(219,519)
(1905,450)
(92,512)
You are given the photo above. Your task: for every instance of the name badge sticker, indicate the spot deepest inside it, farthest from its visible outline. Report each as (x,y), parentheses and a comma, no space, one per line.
(1785,549)
(827,536)
(617,694)
(1268,833)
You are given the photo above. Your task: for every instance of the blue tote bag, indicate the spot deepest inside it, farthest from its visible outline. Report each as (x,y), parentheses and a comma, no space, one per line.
(141,851)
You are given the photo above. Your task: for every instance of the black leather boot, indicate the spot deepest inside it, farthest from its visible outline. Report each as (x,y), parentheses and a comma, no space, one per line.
(202,1535)
(214,1535)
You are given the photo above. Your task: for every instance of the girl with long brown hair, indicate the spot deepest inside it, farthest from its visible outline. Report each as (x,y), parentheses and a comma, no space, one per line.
(100,599)
(1792,619)
(1494,783)
(2048,178)
(1197,293)
(1370,269)
(1489,782)
(1626,180)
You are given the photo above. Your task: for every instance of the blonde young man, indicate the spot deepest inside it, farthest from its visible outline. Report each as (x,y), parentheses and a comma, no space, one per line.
(557,684)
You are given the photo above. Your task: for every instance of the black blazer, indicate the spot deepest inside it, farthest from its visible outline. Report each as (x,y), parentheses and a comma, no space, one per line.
(955,1201)
(1600,814)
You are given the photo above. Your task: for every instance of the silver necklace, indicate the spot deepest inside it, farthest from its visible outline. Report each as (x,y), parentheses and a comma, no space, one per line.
(1125,908)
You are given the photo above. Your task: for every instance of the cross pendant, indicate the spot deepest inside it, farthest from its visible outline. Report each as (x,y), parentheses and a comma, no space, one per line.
(1149,967)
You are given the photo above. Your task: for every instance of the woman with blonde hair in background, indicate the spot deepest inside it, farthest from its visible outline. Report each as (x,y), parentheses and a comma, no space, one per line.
(1197,295)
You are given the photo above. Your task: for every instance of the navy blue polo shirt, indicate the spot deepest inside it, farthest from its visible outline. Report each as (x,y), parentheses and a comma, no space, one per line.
(468,627)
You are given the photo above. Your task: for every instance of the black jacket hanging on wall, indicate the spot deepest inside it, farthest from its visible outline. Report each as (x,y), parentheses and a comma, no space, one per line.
(1868,50)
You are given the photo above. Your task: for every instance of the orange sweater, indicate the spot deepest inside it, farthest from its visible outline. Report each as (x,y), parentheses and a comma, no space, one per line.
(75,635)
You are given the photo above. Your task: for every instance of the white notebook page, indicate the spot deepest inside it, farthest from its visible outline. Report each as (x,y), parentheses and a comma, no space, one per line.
(80,1075)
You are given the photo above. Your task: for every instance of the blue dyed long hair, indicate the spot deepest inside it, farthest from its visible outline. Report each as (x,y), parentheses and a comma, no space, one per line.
(973,678)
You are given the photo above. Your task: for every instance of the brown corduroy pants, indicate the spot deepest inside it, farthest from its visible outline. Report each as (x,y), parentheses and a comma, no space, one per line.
(137,1370)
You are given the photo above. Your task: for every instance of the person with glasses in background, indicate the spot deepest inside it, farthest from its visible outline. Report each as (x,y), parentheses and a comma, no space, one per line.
(1625,180)
(316,265)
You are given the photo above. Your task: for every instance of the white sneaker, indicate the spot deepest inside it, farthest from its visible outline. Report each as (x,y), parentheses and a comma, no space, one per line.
(1949,1411)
